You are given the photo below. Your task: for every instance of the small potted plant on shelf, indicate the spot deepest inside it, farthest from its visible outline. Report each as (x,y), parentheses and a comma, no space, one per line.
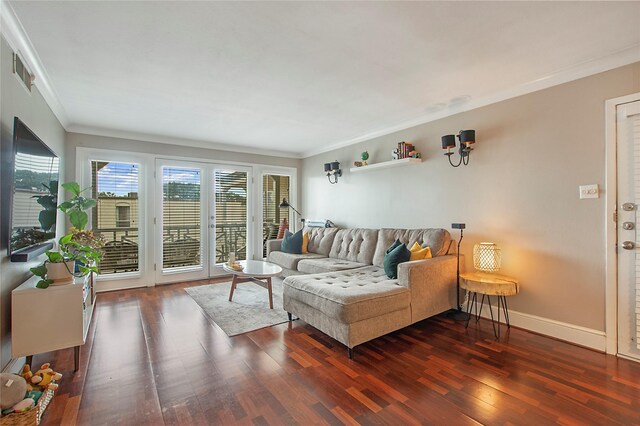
(81,248)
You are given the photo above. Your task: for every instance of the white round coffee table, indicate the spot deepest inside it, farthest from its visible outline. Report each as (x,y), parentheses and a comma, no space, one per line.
(255,271)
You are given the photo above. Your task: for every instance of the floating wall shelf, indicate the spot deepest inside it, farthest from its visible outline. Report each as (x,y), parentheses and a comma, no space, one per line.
(387,165)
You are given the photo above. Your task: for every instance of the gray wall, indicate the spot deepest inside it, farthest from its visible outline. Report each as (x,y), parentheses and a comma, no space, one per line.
(520,191)
(35,113)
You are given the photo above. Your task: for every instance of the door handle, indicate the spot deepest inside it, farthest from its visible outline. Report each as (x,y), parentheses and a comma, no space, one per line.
(628,245)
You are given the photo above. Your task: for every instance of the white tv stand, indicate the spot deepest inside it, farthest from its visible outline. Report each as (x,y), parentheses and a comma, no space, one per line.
(50,319)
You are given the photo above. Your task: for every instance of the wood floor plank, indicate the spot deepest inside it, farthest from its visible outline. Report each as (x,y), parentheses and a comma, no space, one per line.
(153,357)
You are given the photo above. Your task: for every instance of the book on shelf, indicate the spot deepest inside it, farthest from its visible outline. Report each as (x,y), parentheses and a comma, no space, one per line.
(404,148)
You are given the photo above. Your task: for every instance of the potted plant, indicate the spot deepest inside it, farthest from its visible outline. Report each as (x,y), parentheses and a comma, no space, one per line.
(79,247)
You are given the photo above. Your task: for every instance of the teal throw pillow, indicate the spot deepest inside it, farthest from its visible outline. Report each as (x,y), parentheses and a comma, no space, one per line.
(393,246)
(292,243)
(392,259)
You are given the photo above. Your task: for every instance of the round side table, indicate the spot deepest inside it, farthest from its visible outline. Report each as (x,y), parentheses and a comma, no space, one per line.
(489,285)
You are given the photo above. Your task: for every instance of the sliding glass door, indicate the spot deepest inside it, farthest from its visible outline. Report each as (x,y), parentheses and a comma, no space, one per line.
(205,218)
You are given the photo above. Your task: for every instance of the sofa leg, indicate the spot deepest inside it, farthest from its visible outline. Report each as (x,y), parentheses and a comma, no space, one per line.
(350,353)
(290,316)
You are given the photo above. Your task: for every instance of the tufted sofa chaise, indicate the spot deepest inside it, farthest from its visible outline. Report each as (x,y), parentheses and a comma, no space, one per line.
(340,286)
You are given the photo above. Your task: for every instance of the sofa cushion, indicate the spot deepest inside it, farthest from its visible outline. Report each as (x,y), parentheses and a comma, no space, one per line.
(349,296)
(395,257)
(320,240)
(292,243)
(393,246)
(419,253)
(437,239)
(327,264)
(288,260)
(355,245)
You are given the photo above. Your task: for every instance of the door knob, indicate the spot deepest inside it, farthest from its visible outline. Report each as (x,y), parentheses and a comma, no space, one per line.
(628,245)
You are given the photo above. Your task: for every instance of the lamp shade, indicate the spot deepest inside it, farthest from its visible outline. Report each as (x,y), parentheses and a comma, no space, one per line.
(284,203)
(487,257)
(335,165)
(467,136)
(448,141)
(327,167)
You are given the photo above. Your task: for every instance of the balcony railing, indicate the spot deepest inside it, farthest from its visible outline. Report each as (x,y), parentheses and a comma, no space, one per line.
(181,246)
(120,250)
(231,237)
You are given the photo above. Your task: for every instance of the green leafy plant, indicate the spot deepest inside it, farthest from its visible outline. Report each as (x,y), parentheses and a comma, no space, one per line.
(76,207)
(41,271)
(79,245)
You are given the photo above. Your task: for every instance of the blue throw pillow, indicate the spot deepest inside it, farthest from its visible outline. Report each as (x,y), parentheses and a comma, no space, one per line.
(292,243)
(392,259)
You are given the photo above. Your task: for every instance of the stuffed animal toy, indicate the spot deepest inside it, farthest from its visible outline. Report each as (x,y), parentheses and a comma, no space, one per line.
(43,378)
(30,400)
(12,390)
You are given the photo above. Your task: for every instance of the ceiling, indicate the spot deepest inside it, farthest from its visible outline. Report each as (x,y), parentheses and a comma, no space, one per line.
(298,78)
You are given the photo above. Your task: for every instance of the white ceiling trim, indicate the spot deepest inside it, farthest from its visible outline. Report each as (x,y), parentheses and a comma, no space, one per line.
(618,59)
(17,38)
(144,137)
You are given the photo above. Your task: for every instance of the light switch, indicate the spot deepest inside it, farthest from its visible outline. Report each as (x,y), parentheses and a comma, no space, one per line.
(589,191)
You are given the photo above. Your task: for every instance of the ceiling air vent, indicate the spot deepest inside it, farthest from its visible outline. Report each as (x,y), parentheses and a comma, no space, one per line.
(22,72)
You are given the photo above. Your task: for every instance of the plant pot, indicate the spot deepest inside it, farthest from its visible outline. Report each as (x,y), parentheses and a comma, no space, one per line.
(59,272)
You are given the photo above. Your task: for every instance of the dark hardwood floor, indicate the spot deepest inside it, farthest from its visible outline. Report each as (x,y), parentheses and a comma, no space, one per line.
(153,357)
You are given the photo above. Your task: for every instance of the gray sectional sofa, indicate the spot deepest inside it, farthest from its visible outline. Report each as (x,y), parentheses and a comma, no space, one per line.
(340,286)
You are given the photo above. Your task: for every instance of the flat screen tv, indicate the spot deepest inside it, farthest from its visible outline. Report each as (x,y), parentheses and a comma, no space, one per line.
(34,195)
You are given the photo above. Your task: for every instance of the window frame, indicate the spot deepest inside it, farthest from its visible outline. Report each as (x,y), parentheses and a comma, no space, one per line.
(140,278)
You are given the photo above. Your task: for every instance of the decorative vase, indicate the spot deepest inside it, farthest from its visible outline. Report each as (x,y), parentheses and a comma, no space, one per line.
(59,272)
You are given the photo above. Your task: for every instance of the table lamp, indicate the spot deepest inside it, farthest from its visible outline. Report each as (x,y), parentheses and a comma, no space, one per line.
(487,257)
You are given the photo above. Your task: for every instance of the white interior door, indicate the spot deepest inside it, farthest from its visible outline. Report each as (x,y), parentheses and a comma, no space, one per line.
(628,160)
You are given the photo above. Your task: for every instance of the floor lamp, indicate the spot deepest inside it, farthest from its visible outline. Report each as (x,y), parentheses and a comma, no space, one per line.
(285,204)
(458,314)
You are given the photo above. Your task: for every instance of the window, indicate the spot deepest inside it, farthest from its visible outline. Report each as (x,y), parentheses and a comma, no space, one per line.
(123,216)
(115,187)
(181,207)
(231,214)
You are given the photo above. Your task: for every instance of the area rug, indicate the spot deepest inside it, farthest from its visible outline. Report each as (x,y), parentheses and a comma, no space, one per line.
(249,309)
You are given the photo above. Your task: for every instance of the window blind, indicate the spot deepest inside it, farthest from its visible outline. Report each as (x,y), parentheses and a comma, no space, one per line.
(181,207)
(115,188)
(231,188)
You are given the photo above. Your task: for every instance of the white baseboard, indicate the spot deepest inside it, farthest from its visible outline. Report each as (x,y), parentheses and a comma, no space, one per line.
(15,365)
(583,336)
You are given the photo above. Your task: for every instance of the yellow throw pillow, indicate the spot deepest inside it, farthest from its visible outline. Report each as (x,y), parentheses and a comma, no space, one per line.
(418,253)
(305,243)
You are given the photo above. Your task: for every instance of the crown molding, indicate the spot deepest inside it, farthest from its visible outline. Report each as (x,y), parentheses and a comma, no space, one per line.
(16,36)
(618,59)
(144,137)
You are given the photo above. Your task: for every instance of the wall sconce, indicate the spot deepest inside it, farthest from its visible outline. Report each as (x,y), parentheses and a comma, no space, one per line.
(467,138)
(333,169)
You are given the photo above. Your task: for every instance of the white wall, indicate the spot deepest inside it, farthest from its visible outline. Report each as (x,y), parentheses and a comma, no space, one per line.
(520,191)
(32,109)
